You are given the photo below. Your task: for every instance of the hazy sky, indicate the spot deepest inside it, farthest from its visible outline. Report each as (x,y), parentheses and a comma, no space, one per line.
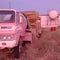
(42,6)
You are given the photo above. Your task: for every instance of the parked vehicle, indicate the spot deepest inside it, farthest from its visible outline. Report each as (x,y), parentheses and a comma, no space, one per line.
(35,22)
(50,20)
(13,30)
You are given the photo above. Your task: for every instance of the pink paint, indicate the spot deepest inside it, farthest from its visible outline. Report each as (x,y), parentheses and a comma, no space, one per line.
(11,28)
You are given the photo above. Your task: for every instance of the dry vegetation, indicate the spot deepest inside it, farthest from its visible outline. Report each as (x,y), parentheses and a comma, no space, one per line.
(45,48)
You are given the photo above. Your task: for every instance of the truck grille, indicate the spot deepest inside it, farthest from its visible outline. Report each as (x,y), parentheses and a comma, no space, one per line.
(6,27)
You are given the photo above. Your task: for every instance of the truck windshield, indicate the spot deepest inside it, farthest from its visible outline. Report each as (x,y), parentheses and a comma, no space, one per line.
(7,16)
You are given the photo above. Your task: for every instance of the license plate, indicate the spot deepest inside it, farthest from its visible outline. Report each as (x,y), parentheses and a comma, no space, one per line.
(3,43)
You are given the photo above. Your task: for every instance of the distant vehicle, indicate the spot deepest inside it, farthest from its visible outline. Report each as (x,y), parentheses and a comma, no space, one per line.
(35,21)
(13,30)
(50,20)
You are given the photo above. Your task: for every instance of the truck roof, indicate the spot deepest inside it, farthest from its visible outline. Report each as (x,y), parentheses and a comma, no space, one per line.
(7,10)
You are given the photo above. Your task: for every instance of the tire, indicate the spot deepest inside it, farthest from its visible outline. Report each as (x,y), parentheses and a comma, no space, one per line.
(16,52)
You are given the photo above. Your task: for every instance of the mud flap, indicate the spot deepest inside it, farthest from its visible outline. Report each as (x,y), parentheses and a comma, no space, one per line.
(28,37)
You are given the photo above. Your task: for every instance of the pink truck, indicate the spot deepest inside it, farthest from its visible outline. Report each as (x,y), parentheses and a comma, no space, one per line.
(14,30)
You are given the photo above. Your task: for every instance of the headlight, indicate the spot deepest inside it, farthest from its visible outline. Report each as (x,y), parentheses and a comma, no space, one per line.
(4,37)
(9,37)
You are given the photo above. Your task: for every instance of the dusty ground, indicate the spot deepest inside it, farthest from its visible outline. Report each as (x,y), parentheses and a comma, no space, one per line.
(45,48)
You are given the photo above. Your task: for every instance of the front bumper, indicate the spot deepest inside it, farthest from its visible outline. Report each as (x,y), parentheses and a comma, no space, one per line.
(8,44)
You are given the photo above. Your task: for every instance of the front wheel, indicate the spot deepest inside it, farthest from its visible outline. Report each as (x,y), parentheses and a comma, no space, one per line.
(16,51)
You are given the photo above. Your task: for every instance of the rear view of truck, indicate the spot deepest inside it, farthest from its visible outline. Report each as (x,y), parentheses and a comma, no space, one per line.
(35,22)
